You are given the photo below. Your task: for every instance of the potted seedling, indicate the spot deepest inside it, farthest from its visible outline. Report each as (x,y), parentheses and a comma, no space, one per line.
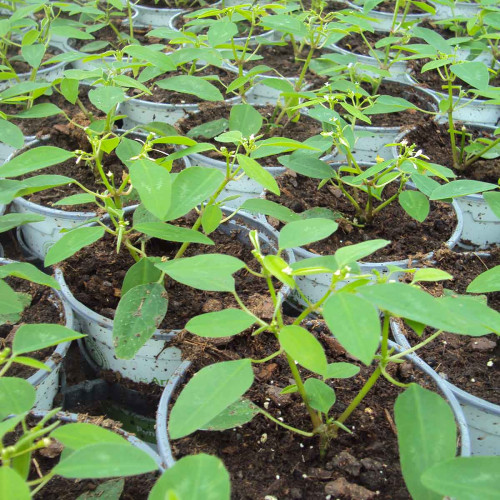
(215,398)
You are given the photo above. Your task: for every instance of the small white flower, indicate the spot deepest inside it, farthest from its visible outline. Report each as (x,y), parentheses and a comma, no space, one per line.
(404,142)
(288,270)
(418,153)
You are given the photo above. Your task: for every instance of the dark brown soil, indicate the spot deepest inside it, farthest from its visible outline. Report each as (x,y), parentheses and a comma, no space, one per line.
(264,459)
(171,97)
(58,488)
(185,5)
(354,42)
(116,42)
(17,61)
(95,276)
(431,79)
(43,126)
(408,237)
(434,140)
(44,308)
(389,5)
(471,363)
(329,6)
(282,59)
(71,139)
(304,129)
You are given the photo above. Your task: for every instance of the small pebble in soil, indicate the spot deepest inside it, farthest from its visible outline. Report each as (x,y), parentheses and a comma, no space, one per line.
(489,363)
(472,379)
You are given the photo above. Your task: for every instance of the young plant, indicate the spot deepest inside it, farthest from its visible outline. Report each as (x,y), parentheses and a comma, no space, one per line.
(215,398)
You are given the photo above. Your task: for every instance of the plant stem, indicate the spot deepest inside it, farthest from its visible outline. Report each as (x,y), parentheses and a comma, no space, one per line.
(430,338)
(289,427)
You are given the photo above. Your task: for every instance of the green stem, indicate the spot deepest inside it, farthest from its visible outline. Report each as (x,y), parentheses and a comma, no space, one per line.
(430,338)
(288,427)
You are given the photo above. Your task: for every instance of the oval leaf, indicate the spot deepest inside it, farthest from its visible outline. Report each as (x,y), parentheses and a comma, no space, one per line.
(220,323)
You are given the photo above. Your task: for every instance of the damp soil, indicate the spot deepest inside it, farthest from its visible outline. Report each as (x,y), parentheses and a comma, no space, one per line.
(264,459)
(184,5)
(434,140)
(431,79)
(470,363)
(389,5)
(305,128)
(44,307)
(58,488)
(354,42)
(282,59)
(20,66)
(219,77)
(95,276)
(409,238)
(406,118)
(328,6)
(71,138)
(43,126)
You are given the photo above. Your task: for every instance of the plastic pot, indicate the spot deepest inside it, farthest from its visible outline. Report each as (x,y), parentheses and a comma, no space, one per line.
(481,227)
(483,417)
(155,362)
(462,9)
(165,448)
(45,382)
(38,237)
(72,418)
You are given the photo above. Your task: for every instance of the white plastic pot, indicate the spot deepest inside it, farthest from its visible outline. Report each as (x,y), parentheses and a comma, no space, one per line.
(45,382)
(38,237)
(483,418)
(162,415)
(462,9)
(481,227)
(155,362)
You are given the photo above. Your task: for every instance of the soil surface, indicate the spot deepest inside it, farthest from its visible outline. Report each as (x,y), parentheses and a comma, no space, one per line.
(71,138)
(265,459)
(434,140)
(95,276)
(184,5)
(300,131)
(58,488)
(44,307)
(408,237)
(471,363)
(164,96)
(389,5)
(43,126)
(329,6)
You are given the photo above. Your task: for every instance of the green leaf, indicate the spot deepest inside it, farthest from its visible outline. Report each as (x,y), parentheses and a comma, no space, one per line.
(40,111)
(212,272)
(154,185)
(434,39)
(12,135)
(321,396)
(474,73)
(341,370)
(304,348)
(355,323)
(34,337)
(266,207)
(71,242)
(209,130)
(235,415)
(220,323)
(352,253)
(110,490)
(141,273)
(34,159)
(305,164)
(12,485)
(303,232)
(10,302)
(465,478)
(193,85)
(105,460)
(492,198)
(192,186)
(461,187)
(221,31)
(6,426)
(106,98)
(486,282)
(195,477)
(33,363)
(207,394)
(139,313)
(426,436)
(79,435)
(156,58)
(286,24)
(256,172)
(169,232)
(75,199)
(33,54)
(16,396)
(69,89)
(430,274)
(211,218)
(13,318)
(415,204)
(280,269)
(28,272)
(246,119)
